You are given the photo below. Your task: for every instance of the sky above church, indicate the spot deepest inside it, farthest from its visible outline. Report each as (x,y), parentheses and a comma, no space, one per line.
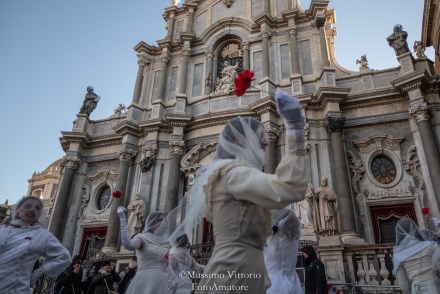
(51,50)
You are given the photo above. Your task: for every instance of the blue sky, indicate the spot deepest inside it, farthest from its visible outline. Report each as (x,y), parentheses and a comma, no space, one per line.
(51,50)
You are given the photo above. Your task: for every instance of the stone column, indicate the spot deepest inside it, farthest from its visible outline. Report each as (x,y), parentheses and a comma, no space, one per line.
(320,24)
(184,70)
(266,4)
(421,114)
(70,164)
(111,240)
(272,135)
(176,150)
(335,126)
(294,65)
(209,81)
(266,63)
(163,77)
(139,80)
(246,61)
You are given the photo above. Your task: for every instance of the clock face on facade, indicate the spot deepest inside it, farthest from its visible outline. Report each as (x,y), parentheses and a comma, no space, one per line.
(383,169)
(104,197)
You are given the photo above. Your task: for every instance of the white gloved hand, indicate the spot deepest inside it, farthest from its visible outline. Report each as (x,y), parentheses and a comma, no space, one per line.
(289,108)
(121,212)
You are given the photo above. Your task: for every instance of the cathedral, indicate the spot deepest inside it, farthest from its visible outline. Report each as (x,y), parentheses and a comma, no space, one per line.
(372,136)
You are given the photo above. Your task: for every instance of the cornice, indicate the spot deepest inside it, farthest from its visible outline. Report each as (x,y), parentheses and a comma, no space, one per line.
(219,118)
(127,127)
(416,79)
(324,95)
(361,100)
(265,19)
(267,104)
(146,48)
(177,120)
(155,125)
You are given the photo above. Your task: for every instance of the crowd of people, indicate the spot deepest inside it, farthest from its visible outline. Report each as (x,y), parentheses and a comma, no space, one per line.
(256,236)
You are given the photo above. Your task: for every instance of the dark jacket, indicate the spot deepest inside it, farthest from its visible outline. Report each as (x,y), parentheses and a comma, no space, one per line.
(316,281)
(68,282)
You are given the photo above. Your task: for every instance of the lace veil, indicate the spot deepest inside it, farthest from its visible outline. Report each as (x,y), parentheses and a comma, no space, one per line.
(410,240)
(240,139)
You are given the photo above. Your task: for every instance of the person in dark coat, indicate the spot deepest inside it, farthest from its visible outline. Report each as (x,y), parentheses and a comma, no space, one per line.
(127,275)
(103,279)
(316,281)
(69,281)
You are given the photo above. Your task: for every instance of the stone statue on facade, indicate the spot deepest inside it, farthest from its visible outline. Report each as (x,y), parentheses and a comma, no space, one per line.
(90,102)
(85,197)
(325,215)
(136,215)
(303,209)
(363,62)
(8,214)
(419,49)
(225,85)
(397,40)
(120,109)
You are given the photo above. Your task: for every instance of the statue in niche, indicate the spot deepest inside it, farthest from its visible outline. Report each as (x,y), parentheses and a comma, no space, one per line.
(363,62)
(225,84)
(85,197)
(325,216)
(303,209)
(90,102)
(397,40)
(419,49)
(136,215)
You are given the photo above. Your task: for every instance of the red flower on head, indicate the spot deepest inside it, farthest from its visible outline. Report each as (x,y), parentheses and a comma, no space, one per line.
(28,238)
(243,82)
(116,194)
(425,211)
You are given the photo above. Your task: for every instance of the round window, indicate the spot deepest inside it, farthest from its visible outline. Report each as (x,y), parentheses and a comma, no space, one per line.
(104,197)
(383,169)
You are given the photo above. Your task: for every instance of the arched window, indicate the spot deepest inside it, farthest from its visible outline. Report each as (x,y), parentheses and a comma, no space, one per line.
(383,169)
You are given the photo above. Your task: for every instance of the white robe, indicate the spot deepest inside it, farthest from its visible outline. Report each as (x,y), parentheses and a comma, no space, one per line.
(20,247)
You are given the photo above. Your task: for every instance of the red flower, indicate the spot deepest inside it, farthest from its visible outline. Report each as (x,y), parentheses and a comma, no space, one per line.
(116,194)
(243,82)
(425,211)
(28,238)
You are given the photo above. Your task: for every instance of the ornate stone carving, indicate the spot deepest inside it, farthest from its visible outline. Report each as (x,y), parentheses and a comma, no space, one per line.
(397,40)
(90,102)
(419,49)
(245,46)
(379,143)
(149,153)
(357,169)
(165,59)
(186,52)
(225,85)
(265,35)
(176,146)
(120,109)
(420,112)
(141,63)
(411,165)
(85,198)
(363,62)
(71,162)
(228,3)
(272,133)
(335,124)
(191,161)
(103,176)
(307,136)
(333,271)
(293,31)
(136,215)
(360,199)
(231,51)
(209,53)
(126,154)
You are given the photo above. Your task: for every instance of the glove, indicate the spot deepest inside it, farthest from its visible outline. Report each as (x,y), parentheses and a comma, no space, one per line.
(289,109)
(121,212)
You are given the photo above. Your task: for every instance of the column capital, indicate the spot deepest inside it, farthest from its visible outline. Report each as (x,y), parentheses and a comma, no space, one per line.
(165,59)
(71,162)
(126,154)
(186,52)
(176,146)
(265,34)
(293,31)
(420,112)
(245,46)
(272,133)
(141,63)
(335,124)
(320,20)
(209,53)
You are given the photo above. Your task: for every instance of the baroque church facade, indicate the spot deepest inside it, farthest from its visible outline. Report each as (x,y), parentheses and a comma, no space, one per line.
(374,134)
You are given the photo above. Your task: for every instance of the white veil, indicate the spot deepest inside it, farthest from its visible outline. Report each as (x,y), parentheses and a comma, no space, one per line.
(410,240)
(240,139)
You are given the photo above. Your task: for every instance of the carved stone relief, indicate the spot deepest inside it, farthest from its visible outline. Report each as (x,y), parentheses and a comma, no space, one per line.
(149,154)
(412,164)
